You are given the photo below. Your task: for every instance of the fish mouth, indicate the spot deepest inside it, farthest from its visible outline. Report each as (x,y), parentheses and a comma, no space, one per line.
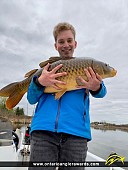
(113,72)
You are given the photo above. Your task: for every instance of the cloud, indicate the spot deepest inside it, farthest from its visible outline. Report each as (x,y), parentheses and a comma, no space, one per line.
(102,29)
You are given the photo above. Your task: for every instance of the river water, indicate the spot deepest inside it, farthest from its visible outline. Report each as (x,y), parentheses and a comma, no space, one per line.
(105,142)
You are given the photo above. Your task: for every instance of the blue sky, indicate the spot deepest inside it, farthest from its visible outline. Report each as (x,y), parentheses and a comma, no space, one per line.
(26,39)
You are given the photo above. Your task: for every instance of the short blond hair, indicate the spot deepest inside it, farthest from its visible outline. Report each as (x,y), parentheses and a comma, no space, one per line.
(62,27)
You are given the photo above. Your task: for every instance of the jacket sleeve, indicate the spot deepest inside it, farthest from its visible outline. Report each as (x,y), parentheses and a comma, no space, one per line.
(101,92)
(34,92)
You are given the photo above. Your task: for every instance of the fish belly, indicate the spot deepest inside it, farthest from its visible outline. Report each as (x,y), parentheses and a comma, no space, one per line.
(71,84)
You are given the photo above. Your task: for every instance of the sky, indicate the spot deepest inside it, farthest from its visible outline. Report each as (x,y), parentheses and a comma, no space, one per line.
(26,39)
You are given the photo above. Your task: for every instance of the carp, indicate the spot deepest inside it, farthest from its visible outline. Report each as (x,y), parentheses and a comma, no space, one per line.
(74,68)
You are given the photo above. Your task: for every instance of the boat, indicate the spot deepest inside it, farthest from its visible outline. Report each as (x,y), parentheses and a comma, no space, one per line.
(24,144)
(8,148)
(11,143)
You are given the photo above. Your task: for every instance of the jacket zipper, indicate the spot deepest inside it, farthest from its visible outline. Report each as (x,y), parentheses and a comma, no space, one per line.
(57,117)
(85,95)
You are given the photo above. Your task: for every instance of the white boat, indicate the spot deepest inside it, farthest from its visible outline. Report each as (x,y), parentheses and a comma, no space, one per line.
(20,151)
(24,146)
(8,150)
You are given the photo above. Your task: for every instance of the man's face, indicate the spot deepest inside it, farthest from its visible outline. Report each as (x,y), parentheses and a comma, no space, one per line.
(65,43)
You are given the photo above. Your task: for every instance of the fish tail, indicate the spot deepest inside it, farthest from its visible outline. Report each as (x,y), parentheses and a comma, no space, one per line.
(13,100)
(14,92)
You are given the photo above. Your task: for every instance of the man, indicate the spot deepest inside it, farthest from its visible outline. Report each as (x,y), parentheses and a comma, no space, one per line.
(60,129)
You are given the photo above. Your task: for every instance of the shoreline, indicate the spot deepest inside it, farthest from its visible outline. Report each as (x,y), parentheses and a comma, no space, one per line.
(109,126)
(18,121)
(14,121)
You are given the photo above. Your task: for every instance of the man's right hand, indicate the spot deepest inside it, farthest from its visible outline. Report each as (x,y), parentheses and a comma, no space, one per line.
(48,78)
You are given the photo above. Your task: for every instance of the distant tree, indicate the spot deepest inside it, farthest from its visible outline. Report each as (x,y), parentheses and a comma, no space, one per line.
(19,111)
(22,111)
(16,111)
(2,103)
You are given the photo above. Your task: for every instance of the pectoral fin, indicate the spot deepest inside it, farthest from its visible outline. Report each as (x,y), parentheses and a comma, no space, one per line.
(59,94)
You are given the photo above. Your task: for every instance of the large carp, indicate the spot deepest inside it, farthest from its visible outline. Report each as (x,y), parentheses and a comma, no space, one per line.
(74,68)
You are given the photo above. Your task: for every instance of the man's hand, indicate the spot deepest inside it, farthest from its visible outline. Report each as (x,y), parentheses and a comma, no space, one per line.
(48,78)
(94,80)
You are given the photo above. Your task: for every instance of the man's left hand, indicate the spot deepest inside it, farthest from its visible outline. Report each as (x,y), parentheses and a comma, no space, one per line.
(93,82)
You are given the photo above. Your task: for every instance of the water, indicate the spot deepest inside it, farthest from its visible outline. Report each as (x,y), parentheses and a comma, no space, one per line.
(105,142)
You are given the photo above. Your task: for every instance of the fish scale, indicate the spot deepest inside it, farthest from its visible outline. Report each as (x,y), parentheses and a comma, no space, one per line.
(72,67)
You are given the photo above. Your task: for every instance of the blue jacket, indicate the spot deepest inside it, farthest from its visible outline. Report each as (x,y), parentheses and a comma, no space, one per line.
(69,114)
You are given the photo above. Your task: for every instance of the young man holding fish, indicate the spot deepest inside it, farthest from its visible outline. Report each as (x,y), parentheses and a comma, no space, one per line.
(60,128)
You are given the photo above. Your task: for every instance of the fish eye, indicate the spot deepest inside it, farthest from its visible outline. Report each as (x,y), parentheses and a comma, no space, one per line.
(106,64)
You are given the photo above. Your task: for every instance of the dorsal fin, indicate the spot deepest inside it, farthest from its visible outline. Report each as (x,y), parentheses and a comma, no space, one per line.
(30,73)
(53,59)
(50,61)
(44,63)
